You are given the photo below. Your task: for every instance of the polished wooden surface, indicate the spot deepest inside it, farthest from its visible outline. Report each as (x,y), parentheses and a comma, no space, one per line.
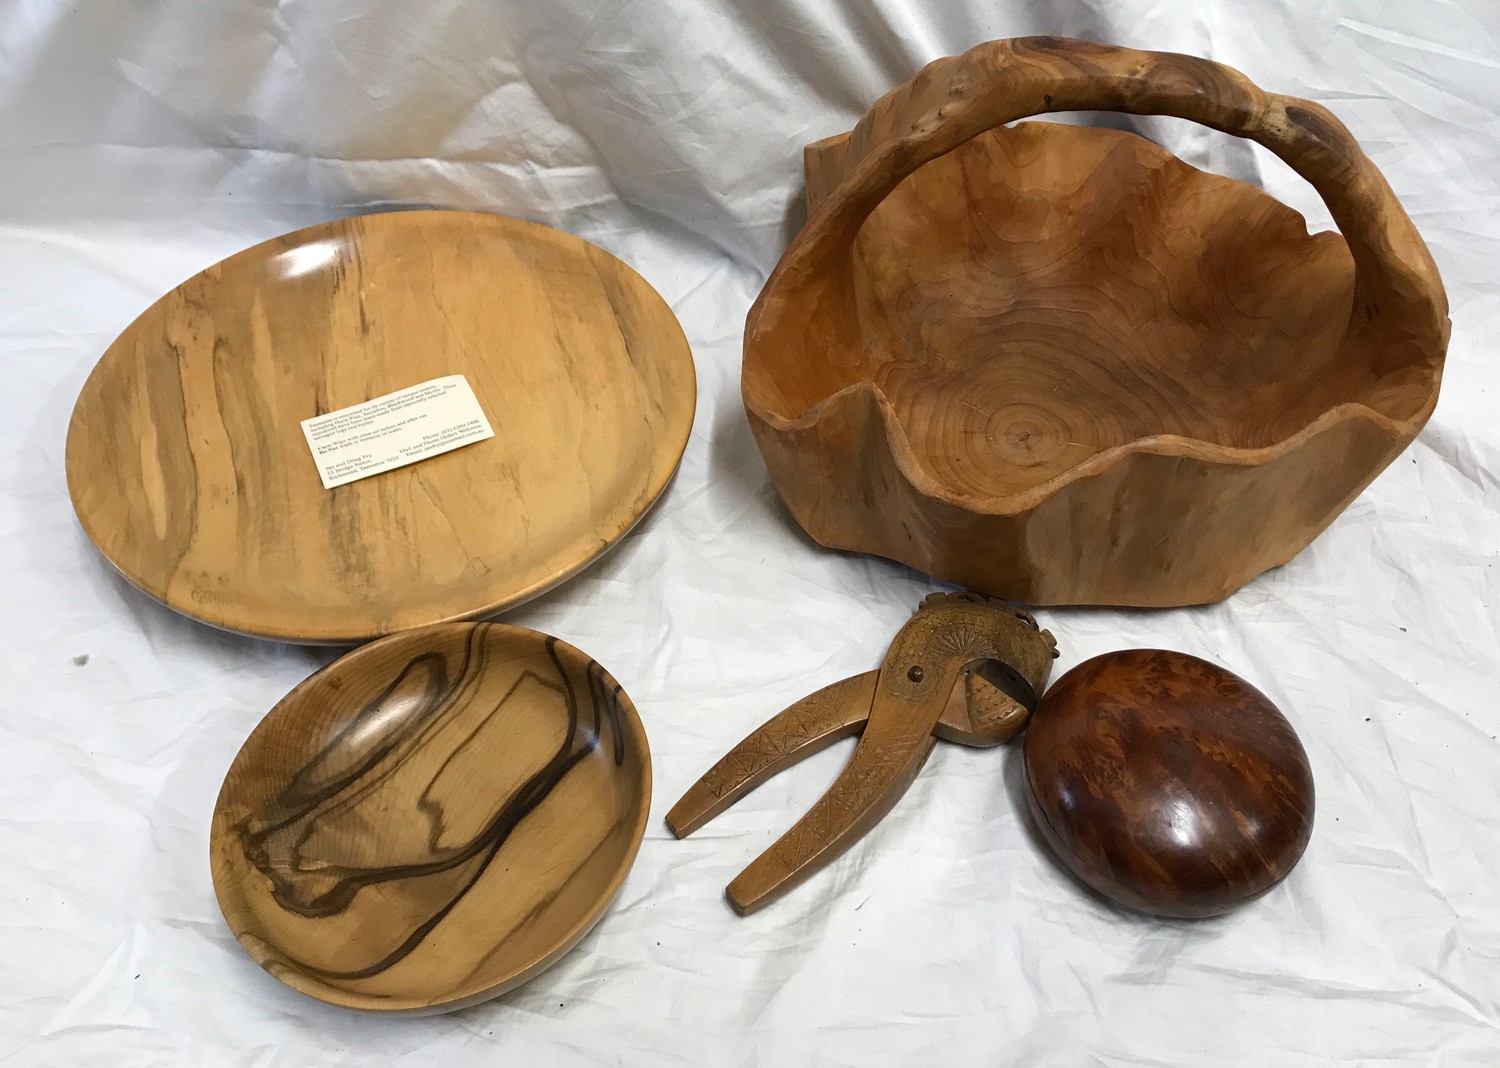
(1058,364)
(1167,783)
(965,668)
(188,467)
(432,819)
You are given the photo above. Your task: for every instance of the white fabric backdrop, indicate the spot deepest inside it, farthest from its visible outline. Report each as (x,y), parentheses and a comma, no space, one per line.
(142,141)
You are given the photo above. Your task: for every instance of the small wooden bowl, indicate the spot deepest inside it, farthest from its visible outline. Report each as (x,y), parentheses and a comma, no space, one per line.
(432,819)
(1167,783)
(1061,366)
(189,469)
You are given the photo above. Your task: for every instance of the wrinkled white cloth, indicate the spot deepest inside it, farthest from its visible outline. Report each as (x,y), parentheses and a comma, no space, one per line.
(142,142)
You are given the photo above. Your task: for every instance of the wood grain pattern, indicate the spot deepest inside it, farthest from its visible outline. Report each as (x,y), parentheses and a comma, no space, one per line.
(432,819)
(1167,783)
(1061,366)
(188,468)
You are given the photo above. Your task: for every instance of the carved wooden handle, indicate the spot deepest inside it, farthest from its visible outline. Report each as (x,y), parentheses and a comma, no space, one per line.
(952,100)
(795,733)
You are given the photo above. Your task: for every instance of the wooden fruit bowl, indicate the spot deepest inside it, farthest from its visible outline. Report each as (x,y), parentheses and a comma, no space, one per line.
(1060,365)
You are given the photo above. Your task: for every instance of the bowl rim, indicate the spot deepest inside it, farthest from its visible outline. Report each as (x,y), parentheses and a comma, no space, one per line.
(778,303)
(910,465)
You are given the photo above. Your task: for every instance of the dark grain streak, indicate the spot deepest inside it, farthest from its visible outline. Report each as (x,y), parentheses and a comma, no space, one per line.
(305,800)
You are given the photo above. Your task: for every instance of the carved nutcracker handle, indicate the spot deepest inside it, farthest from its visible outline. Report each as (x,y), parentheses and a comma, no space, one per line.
(1398,292)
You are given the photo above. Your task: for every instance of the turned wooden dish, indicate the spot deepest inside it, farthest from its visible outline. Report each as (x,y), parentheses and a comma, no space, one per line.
(1058,364)
(1168,784)
(432,819)
(188,467)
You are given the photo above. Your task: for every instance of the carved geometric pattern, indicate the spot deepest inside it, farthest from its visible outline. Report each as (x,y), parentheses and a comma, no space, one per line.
(965,642)
(988,705)
(904,704)
(877,765)
(786,733)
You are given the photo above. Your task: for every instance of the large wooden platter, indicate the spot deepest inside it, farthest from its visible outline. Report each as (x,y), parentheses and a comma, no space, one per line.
(189,470)
(432,819)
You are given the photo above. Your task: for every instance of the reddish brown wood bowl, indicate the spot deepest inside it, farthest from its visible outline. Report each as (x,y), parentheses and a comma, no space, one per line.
(1167,783)
(1061,366)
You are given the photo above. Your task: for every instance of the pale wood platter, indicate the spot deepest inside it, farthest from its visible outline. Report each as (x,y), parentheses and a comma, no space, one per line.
(432,819)
(189,470)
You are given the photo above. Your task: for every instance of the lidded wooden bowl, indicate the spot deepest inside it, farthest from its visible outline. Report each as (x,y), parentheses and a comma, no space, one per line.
(1168,783)
(1059,365)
